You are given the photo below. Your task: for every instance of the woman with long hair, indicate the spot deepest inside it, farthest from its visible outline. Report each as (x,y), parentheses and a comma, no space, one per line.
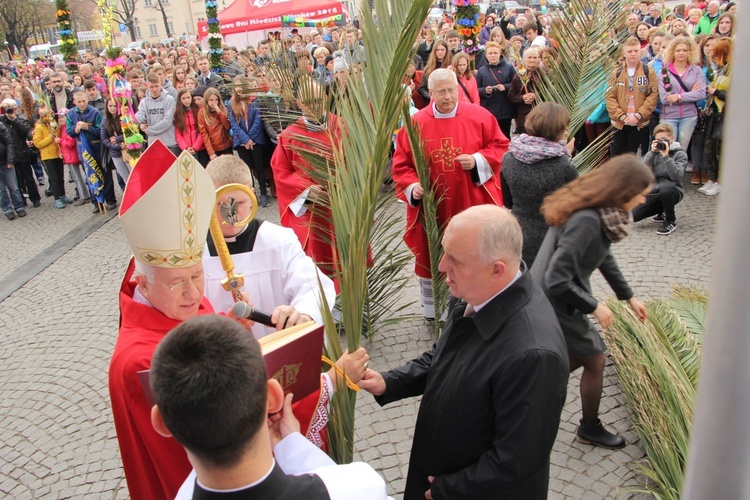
(681,86)
(179,75)
(213,124)
(440,57)
(247,132)
(112,138)
(424,49)
(536,164)
(717,91)
(725,25)
(77,83)
(700,173)
(28,107)
(497,35)
(186,126)
(467,84)
(192,64)
(641,33)
(585,217)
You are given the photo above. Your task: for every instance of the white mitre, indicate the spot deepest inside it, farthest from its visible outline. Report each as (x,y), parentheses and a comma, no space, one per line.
(167,207)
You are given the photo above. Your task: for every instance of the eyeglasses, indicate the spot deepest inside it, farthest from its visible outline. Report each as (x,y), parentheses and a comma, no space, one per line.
(183,285)
(444,92)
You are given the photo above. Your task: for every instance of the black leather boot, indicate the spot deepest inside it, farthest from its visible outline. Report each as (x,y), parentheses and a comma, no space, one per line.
(597,435)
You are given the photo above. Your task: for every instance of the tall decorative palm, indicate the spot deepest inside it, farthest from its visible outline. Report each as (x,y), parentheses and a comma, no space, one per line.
(658,363)
(589,38)
(353,174)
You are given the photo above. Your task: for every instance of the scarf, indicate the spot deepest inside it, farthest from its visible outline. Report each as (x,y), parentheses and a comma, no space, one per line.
(531,149)
(617,223)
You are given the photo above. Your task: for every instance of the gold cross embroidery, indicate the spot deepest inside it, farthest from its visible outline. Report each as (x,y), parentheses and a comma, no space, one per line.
(446,154)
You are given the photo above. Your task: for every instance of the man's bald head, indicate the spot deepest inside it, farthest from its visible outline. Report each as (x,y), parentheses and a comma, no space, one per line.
(499,234)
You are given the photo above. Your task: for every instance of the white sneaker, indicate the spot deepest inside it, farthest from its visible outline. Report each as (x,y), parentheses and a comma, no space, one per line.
(706,187)
(689,168)
(713,190)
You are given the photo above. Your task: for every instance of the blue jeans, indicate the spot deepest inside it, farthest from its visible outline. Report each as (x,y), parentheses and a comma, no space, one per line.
(683,129)
(9,184)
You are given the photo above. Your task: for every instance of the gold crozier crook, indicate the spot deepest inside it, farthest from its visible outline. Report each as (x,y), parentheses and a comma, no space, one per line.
(234,282)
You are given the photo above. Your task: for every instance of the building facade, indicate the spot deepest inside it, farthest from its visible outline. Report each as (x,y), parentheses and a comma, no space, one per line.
(182,19)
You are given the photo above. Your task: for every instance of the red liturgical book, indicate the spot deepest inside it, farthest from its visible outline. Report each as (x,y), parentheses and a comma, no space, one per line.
(292,356)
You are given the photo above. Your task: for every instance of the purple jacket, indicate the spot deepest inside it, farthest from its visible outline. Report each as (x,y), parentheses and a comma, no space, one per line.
(687,107)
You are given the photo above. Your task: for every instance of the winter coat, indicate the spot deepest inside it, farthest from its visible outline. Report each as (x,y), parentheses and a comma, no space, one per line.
(69,149)
(497,103)
(7,156)
(20,131)
(250,129)
(706,24)
(44,140)
(191,137)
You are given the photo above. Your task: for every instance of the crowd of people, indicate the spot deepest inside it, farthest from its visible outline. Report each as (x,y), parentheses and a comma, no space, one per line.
(518,321)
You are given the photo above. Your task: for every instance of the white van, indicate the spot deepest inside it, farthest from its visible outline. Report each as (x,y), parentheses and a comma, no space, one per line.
(43,50)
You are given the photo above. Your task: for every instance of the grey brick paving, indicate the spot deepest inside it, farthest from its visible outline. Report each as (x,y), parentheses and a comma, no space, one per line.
(57,332)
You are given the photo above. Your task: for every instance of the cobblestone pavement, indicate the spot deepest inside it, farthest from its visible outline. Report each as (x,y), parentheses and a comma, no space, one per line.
(57,333)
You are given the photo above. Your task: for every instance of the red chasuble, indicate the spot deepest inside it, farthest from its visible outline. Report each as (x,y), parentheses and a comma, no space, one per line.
(155,466)
(292,180)
(472,130)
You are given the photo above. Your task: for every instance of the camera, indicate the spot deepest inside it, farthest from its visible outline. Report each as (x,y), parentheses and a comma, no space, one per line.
(662,145)
(9,110)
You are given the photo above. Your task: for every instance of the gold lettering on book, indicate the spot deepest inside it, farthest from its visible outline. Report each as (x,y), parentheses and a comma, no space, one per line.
(287,375)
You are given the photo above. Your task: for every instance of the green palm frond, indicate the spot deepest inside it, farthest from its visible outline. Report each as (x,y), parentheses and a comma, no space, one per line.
(589,42)
(657,363)
(428,218)
(691,305)
(353,176)
(595,153)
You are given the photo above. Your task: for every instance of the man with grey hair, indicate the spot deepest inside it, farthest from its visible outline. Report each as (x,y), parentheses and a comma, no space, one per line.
(709,19)
(465,149)
(494,384)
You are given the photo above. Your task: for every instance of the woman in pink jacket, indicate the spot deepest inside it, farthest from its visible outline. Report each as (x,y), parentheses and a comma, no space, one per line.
(73,162)
(467,84)
(186,127)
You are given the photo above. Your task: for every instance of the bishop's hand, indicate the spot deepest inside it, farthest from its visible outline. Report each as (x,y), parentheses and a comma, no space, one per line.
(280,425)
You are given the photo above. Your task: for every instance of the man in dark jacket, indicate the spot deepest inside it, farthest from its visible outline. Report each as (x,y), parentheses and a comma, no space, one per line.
(19,131)
(11,199)
(59,97)
(668,161)
(493,83)
(495,382)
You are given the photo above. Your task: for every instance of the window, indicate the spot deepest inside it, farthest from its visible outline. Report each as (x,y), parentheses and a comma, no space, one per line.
(147,3)
(170,25)
(138,32)
(153,29)
(165,2)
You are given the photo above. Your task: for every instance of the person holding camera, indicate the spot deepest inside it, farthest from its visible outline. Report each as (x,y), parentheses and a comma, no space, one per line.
(667,160)
(19,129)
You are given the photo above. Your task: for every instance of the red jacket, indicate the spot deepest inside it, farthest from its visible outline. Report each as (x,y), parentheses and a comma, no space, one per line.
(191,137)
(470,84)
(69,149)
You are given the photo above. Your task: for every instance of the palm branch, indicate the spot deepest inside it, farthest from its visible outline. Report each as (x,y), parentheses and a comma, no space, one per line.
(589,40)
(657,362)
(353,173)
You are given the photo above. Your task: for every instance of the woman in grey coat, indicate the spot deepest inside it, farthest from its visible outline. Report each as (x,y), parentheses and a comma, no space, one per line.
(586,216)
(536,164)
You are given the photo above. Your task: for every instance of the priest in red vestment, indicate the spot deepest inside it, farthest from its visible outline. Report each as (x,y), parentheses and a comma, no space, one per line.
(465,148)
(302,201)
(165,214)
